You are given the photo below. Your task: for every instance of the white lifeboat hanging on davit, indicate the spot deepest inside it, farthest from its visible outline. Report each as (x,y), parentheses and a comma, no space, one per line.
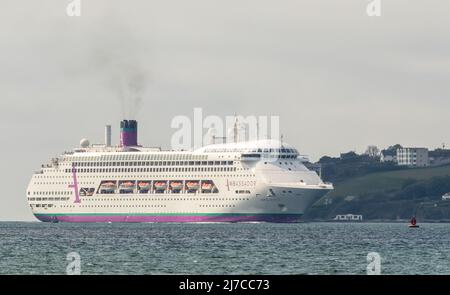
(207,186)
(127,185)
(144,185)
(108,186)
(176,185)
(193,185)
(160,185)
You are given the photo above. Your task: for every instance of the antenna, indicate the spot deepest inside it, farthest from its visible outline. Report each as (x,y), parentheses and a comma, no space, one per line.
(235,128)
(257,130)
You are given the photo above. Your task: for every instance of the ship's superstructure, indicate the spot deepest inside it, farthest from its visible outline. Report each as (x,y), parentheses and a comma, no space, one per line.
(262,180)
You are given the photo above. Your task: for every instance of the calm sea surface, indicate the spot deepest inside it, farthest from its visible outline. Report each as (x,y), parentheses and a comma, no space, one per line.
(245,248)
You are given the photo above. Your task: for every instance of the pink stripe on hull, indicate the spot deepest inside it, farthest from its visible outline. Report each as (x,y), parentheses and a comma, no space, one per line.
(170,218)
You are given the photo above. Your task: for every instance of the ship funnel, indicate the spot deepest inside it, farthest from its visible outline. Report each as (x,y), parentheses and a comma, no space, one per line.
(108,135)
(128,133)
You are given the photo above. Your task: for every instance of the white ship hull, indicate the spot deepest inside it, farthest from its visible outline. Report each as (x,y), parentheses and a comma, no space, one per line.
(281,207)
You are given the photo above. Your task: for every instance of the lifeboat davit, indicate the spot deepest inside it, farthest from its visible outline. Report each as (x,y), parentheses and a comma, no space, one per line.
(160,185)
(176,185)
(193,185)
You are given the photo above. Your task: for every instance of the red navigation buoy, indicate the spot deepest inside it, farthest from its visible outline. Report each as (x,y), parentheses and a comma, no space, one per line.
(413,222)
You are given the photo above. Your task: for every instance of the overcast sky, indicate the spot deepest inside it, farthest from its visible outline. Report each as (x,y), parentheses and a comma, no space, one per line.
(338,79)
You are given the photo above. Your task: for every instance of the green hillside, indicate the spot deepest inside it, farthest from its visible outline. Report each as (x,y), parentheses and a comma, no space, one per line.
(389,195)
(386,181)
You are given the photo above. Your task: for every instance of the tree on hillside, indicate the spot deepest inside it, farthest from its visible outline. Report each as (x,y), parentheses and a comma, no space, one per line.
(394,148)
(372,151)
(349,155)
(327,159)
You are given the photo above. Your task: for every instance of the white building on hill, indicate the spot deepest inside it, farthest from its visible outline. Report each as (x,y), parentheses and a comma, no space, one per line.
(413,157)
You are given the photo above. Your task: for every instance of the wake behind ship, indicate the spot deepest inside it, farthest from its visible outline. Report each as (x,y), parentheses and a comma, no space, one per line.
(262,180)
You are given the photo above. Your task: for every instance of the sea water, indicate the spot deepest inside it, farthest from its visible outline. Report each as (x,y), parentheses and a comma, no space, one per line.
(235,248)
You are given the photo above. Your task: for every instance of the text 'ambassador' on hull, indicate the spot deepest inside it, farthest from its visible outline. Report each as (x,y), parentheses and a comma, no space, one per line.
(262,180)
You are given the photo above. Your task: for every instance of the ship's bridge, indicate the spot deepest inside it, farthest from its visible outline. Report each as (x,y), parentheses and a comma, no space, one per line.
(255,149)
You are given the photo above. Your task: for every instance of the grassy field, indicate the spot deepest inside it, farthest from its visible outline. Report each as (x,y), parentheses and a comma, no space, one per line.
(386,181)
(387,196)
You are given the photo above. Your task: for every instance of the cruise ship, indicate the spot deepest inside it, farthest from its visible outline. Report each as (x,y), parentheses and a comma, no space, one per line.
(251,181)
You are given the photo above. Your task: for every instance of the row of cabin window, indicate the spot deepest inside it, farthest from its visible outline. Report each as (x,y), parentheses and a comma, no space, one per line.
(49,199)
(161,192)
(152,163)
(159,199)
(255,150)
(109,206)
(42,205)
(141,199)
(52,193)
(124,176)
(216,206)
(119,206)
(164,169)
(97,206)
(139,158)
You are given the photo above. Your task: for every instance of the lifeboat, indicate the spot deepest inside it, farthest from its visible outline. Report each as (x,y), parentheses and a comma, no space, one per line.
(160,185)
(193,185)
(127,185)
(108,186)
(144,185)
(207,186)
(176,185)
